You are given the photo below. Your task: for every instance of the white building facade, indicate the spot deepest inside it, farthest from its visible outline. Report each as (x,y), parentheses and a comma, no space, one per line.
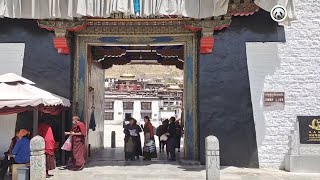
(118,108)
(291,68)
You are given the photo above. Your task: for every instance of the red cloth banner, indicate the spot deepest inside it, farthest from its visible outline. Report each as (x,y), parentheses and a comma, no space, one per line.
(53,110)
(7,111)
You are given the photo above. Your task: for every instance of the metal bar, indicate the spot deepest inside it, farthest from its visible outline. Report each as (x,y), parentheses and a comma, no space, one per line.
(35,121)
(63,129)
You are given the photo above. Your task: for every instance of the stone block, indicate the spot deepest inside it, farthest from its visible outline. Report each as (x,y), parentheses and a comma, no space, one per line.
(301,158)
(302,164)
(15,168)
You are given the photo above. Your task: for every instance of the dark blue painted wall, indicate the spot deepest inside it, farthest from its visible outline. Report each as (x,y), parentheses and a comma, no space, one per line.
(41,63)
(224,92)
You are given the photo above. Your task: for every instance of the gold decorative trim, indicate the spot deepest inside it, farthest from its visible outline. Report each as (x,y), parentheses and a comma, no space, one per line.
(243,9)
(136,40)
(135,28)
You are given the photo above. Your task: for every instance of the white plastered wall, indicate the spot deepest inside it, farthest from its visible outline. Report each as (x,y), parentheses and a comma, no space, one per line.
(96,138)
(293,68)
(11,61)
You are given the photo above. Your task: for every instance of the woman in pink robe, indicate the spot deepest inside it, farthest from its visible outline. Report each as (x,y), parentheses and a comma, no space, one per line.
(45,131)
(78,133)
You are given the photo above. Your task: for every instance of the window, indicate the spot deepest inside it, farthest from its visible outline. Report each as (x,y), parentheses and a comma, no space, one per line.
(108,115)
(128,105)
(146,114)
(109,105)
(145,105)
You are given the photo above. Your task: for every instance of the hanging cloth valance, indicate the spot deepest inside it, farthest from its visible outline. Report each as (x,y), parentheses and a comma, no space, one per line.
(67,9)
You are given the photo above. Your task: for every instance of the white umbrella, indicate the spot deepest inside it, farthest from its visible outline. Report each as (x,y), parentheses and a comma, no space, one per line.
(16,91)
(12,77)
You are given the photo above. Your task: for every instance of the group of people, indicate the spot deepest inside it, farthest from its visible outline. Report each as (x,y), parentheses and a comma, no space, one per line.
(19,150)
(169,133)
(132,140)
(18,153)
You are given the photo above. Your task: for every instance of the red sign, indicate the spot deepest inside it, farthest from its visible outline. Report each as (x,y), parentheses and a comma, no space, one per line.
(271,98)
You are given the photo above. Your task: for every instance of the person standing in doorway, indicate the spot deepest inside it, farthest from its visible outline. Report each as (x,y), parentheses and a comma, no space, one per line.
(172,136)
(162,130)
(138,151)
(45,131)
(149,148)
(132,140)
(78,133)
(179,131)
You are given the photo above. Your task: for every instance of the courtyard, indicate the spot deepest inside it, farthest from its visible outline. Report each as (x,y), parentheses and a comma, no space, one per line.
(102,167)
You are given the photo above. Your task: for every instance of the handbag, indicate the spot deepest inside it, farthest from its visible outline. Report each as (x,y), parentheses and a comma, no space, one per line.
(163,137)
(150,143)
(67,146)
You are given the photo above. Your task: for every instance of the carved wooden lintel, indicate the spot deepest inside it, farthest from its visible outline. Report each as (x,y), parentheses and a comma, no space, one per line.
(207,28)
(119,24)
(248,7)
(61,28)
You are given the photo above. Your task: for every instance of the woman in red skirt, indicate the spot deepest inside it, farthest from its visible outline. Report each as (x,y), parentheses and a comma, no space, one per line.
(46,132)
(78,133)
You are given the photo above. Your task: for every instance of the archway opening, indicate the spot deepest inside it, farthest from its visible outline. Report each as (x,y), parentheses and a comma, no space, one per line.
(88,67)
(139,81)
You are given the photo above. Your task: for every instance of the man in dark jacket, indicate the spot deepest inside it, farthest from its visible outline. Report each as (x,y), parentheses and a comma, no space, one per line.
(171,143)
(161,130)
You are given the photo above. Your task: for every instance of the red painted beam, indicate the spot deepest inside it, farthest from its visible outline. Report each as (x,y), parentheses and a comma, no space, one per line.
(61,44)
(206,45)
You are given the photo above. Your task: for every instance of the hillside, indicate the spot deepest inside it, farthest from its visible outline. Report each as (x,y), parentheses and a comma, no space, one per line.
(144,71)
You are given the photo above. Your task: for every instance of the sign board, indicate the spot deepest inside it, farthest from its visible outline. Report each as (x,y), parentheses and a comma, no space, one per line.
(273,98)
(309,129)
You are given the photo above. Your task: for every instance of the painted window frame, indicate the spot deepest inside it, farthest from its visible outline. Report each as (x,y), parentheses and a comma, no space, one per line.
(146,105)
(125,107)
(107,116)
(109,105)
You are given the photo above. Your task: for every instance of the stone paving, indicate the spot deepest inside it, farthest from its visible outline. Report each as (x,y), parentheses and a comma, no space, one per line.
(109,165)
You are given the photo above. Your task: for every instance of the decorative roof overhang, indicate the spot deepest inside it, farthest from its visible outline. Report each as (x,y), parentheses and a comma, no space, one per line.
(165,55)
(121,24)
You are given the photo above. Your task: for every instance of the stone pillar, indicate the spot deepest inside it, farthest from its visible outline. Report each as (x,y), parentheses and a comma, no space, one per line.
(212,158)
(37,159)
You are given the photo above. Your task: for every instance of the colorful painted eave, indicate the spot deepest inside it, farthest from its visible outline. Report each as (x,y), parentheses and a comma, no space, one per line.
(205,26)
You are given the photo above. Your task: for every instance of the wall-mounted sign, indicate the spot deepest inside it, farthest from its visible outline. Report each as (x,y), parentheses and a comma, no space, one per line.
(309,129)
(272,98)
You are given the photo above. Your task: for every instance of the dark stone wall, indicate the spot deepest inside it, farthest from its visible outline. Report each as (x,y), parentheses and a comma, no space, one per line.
(41,63)
(224,89)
